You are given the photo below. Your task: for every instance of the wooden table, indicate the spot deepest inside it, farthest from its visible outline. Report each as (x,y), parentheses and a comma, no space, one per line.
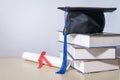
(18,69)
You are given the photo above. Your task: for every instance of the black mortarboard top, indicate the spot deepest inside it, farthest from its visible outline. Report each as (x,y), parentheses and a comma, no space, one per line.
(85,20)
(88,9)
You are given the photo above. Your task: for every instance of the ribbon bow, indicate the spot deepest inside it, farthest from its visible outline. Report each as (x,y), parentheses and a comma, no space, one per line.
(41,58)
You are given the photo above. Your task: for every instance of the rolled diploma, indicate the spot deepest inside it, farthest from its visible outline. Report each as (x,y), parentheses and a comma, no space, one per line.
(55,61)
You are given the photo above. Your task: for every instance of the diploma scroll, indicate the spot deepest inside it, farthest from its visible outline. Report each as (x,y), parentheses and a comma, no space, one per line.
(55,61)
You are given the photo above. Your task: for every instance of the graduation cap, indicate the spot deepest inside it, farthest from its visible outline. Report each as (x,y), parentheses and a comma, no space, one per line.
(83,20)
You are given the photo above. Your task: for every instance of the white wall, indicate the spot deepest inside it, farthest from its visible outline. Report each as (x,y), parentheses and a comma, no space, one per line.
(32,25)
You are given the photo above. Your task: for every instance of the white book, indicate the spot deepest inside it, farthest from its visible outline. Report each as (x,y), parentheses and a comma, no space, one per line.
(92,40)
(89,66)
(78,52)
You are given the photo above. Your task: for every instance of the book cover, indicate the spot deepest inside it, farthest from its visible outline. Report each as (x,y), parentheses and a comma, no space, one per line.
(78,52)
(86,66)
(92,40)
(90,66)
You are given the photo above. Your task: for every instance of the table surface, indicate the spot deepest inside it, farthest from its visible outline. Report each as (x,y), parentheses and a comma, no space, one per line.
(15,68)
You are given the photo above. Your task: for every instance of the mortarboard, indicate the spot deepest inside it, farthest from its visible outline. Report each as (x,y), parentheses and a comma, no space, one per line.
(83,20)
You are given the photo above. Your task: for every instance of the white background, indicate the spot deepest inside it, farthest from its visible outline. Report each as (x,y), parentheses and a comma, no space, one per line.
(32,25)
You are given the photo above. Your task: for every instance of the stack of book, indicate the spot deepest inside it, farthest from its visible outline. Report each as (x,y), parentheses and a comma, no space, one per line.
(92,52)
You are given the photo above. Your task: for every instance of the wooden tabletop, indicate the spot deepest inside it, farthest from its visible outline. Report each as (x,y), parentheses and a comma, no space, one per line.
(15,68)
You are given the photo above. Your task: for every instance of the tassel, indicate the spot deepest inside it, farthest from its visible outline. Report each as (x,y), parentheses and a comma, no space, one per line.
(64,62)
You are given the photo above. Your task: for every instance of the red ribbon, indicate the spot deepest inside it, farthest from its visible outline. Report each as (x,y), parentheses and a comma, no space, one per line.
(41,58)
